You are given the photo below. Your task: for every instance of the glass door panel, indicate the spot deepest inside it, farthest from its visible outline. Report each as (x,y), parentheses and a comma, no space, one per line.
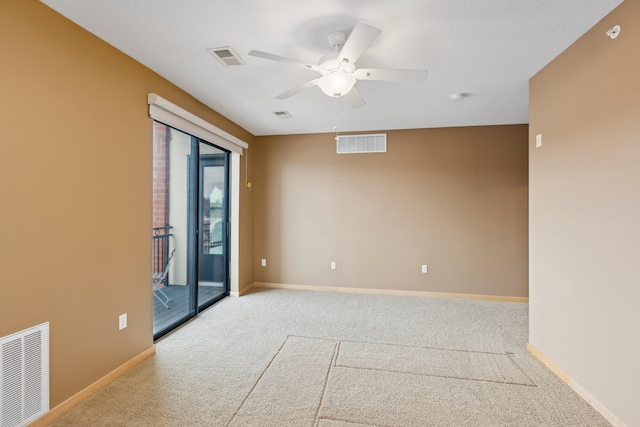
(213,225)
(173,244)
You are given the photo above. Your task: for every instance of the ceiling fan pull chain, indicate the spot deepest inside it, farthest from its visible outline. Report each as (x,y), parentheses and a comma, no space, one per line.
(335,117)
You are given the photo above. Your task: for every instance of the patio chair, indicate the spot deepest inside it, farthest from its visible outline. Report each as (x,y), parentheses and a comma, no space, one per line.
(158,279)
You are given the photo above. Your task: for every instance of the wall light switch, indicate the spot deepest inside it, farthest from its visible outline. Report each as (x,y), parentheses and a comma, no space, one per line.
(539,140)
(264,262)
(424,268)
(122,321)
(333,265)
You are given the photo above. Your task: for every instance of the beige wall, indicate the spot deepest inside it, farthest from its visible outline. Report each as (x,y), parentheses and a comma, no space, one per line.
(585,213)
(75,192)
(454,199)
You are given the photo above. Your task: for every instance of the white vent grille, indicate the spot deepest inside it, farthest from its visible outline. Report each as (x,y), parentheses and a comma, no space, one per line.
(351,144)
(226,55)
(24,376)
(282,114)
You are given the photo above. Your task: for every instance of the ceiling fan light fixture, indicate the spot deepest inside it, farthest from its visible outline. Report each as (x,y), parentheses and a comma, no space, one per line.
(337,84)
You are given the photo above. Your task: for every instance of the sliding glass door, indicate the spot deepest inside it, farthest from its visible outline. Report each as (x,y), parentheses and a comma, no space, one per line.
(190,223)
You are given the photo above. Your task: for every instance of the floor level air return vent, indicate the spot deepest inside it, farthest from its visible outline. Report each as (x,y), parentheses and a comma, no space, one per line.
(24,376)
(351,144)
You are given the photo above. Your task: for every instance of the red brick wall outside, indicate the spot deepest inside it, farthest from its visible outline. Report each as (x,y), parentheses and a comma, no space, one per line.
(160,175)
(160,195)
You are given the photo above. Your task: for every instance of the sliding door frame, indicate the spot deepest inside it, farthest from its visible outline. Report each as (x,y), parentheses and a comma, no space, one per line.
(165,111)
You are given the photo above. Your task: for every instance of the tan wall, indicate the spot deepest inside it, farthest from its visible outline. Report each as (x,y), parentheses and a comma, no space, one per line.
(585,212)
(454,199)
(75,192)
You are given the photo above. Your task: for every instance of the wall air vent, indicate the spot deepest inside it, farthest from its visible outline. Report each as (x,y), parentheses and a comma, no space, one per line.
(226,55)
(282,114)
(352,144)
(24,376)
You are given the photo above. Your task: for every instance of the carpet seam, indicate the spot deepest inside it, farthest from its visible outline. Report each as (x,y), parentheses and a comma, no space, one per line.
(257,381)
(435,376)
(336,348)
(403,345)
(521,369)
(335,361)
(508,354)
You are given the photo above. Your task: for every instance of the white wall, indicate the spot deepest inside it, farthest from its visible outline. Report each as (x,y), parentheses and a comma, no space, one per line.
(584,214)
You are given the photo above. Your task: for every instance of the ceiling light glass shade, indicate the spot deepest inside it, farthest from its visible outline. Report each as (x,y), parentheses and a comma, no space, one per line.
(337,83)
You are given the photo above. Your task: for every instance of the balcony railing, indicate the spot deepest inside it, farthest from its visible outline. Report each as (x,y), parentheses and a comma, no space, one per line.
(161,249)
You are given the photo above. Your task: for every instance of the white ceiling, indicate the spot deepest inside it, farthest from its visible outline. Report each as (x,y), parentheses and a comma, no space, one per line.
(488,49)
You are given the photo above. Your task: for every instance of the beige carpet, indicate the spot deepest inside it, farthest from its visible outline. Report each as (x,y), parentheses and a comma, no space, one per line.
(301,358)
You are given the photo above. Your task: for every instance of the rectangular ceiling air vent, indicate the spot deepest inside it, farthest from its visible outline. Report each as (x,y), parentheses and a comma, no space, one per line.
(282,114)
(226,55)
(351,144)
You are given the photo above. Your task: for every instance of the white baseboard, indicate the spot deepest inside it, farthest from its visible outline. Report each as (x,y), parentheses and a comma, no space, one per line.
(606,413)
(242,291)
(390,292)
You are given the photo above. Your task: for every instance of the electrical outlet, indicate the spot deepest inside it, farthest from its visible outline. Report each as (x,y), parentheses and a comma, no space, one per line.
(539,140)
(122,321)
(264,262)
(424,268)
(333,265)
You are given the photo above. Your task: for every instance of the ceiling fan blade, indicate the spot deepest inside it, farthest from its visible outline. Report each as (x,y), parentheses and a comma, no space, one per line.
(297,89)
(284,60)
(392,75)
(354,98)
(360,39)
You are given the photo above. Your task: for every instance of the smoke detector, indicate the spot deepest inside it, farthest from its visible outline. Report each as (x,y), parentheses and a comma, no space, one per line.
(614,32)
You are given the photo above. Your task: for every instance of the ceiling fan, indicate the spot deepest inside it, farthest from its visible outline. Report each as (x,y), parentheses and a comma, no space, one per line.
(338,71)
